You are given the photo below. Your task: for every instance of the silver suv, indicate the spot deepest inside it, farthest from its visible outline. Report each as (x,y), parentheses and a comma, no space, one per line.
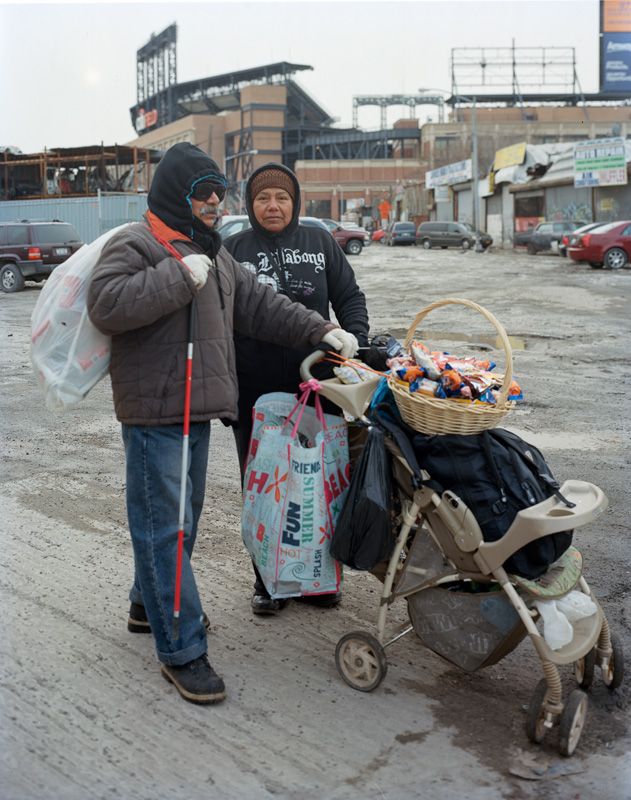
(450,234)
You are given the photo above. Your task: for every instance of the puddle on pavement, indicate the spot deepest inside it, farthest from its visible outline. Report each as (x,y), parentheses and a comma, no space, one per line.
(477,339)
(562,441)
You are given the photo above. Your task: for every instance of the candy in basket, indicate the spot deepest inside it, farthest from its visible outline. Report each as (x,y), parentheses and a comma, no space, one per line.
(438,393)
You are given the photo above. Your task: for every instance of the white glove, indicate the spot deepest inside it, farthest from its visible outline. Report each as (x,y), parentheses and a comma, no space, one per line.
(198,265)
(343,341)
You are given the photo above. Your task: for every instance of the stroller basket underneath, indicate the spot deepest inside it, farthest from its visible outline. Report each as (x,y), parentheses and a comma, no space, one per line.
(472,629)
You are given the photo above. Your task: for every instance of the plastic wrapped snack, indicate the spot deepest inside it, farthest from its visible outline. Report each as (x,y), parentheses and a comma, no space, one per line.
(350,374)
(425,361)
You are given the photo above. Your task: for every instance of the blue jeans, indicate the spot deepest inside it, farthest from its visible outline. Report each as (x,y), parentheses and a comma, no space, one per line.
(154,468)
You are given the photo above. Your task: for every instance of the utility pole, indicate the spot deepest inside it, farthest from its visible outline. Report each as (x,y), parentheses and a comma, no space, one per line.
(476,198)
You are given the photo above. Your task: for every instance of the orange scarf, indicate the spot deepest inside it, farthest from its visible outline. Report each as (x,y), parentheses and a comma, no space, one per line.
(163,230)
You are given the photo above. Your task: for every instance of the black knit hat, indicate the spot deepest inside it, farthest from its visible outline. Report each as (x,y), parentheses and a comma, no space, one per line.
(181,167)
(272,179)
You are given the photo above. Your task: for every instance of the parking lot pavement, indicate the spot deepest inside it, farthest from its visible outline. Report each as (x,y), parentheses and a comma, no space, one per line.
(86,713)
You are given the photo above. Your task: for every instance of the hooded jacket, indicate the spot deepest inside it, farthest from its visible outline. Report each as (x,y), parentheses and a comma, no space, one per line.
(140,295)
(315,272)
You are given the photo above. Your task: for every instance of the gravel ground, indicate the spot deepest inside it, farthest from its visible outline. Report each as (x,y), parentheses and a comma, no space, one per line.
(86,711)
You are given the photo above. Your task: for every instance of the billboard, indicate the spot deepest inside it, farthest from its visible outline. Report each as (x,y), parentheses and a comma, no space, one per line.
(601,162)
(615,46)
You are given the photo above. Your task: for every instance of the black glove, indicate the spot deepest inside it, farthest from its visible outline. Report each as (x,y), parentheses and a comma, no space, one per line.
(375,354)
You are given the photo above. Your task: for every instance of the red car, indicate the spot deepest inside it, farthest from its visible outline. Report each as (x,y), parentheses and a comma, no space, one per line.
(609,245)
(378,235)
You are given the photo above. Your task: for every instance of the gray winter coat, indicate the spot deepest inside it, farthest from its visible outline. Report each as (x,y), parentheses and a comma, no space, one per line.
(140,295)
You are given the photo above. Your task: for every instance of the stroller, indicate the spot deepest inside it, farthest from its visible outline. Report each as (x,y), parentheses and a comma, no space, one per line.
(439,544)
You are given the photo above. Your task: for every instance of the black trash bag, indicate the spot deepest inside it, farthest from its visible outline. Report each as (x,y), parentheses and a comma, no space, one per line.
(363,535)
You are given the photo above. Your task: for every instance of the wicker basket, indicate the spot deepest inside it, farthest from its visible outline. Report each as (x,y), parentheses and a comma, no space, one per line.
(434,415)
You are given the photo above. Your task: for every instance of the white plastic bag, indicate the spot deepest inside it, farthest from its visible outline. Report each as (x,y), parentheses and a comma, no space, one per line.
(69,355)
(558,616)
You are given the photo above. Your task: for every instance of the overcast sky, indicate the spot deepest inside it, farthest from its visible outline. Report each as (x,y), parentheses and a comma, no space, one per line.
(69,70)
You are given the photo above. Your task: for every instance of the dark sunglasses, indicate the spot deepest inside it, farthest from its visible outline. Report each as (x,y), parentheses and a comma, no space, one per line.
(206,189)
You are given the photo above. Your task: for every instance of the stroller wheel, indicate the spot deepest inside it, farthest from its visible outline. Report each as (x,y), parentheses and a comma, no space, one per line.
(535,720)
(572,721)
(361,661)
(614,671)
(584,669)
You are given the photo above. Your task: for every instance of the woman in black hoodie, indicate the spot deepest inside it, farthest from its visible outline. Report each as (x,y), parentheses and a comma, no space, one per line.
(307,265)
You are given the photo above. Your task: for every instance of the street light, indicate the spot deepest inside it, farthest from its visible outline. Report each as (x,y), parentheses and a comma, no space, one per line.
(229,158)
(238,155)
(476,199)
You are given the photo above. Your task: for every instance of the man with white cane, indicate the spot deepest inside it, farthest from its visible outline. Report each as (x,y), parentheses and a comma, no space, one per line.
(172,369)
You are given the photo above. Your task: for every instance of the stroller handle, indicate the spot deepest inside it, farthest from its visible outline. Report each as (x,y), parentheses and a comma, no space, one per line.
(352,398)
(313,358)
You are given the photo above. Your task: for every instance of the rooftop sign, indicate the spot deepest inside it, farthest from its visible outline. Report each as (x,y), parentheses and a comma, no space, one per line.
(601,162)
(450,173)
(509,156)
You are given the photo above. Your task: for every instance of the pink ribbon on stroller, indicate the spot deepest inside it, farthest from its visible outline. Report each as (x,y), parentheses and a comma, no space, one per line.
(306,388)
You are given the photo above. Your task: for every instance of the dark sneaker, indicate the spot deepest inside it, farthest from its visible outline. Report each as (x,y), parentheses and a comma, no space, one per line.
(196,681)
(321,600)
(264,604)
(138,622)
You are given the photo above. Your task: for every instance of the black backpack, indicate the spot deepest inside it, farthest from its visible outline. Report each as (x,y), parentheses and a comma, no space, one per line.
(497,474)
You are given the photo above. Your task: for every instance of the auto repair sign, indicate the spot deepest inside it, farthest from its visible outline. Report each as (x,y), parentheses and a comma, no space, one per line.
(600,163)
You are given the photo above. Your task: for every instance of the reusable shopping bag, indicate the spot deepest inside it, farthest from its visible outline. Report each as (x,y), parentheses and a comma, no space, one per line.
(69,355)
(296,478)
(363,536)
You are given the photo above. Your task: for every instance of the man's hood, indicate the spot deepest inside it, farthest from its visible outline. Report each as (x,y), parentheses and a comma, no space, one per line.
(169,198)
(293,223)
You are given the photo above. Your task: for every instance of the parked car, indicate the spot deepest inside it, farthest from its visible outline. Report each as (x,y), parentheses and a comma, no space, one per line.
(379,235)
(331,224)
(30,250)
(230,224)
(567,238)
(450,234)
(402,233)
(608,245)
(351,238)
(547,235)
(312,222)
(522,238)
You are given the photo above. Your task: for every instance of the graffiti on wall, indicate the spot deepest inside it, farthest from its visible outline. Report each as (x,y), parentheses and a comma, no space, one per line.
(579,212)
